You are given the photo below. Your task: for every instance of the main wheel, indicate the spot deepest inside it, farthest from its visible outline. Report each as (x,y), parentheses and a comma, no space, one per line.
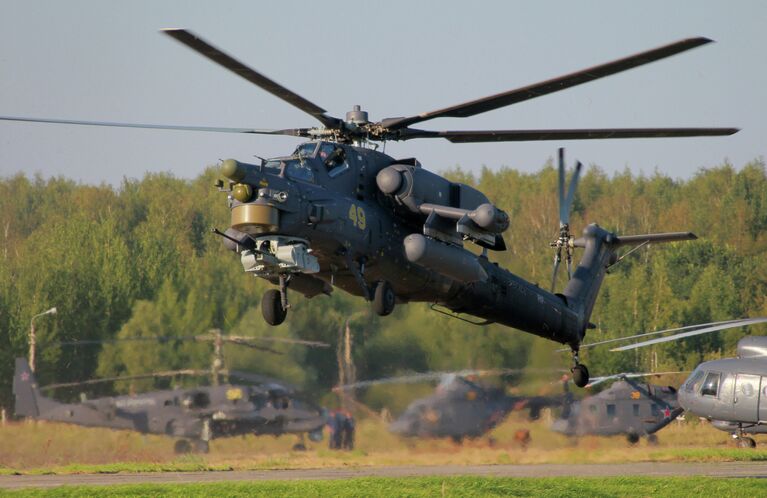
(182,446)
(632,438)
(271,307)
(383,299)
(746,442)
(201,446)
(299,447)
(580,375)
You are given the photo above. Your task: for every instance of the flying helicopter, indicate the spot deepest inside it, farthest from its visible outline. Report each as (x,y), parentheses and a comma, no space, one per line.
(193,416)
(627,408)
(336,212)
(732,392)
(461,407)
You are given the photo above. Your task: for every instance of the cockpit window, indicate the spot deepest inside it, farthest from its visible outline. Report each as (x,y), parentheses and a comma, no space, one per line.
(334,158)
(693,382)
(306,150)
(274,165)
(711,384)
(299,170)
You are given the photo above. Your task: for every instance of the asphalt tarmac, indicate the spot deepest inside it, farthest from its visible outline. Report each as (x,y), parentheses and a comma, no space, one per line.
(720,469)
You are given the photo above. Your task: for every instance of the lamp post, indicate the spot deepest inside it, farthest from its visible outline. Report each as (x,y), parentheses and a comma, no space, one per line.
(32,338)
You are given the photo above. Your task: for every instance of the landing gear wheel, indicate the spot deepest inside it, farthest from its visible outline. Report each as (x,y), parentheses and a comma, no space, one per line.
(201,446)
(383,299)
(652,440)
(271,307)
(182,447)
(580,375)
(746,442)
(299,447)
(632,438)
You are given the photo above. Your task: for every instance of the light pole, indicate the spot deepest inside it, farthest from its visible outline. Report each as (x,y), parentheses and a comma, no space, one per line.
(51,311)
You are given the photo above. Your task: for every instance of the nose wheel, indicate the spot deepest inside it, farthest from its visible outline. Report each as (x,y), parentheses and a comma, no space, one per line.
(383,298)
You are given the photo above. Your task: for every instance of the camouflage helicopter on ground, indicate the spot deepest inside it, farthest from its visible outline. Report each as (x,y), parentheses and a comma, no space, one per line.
(336,212)
(460,407)
(627,408)
(195,415)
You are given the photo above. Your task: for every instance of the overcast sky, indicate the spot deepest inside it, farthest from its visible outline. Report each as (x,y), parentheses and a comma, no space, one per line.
(105,60)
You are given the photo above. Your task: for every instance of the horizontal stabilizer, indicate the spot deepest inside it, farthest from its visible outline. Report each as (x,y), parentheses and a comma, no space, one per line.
(625,240)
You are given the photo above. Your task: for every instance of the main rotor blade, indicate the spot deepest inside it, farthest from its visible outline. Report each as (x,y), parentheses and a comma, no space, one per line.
(204,48)
(510,97)
(571,192)
(473,136)
(297,132)
(706,330)
(599,380)
(557,260)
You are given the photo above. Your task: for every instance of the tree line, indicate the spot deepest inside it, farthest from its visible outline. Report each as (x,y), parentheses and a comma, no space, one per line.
(138,260)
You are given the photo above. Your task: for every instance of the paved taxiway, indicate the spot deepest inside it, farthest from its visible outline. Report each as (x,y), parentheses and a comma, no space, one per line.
(720,469)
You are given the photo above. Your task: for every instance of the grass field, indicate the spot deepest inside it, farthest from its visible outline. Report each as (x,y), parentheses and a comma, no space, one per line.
(38,447)
(433,486)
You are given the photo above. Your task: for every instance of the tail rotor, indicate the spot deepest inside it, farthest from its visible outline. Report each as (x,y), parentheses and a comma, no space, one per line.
(565,240)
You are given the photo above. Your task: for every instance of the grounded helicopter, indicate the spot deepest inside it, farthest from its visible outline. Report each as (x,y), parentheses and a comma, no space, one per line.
(192,415)
(627,407)
(338,212)
(731,393)
(459,407)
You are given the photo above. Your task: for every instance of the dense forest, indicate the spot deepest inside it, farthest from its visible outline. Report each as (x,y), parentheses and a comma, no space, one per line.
(139,260)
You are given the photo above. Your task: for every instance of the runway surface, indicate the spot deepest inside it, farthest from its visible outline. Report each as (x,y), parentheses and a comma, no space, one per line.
(721,469)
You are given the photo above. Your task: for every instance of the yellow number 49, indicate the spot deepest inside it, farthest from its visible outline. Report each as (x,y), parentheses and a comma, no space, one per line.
(357,215)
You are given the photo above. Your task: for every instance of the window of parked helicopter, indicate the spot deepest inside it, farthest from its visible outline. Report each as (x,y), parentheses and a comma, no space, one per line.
(299,170)
(711,384)
(610,410)
(257,400)
(635,407)
(694,381)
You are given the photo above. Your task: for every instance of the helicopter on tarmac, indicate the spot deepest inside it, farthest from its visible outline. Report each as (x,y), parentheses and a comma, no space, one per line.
(336,212)
(627,408)
(732,392)
(192,415)
(460,407)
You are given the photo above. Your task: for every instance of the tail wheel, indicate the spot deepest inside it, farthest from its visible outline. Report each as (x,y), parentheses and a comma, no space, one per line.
(271,307)
(383,299)
(652,440)
(580,375)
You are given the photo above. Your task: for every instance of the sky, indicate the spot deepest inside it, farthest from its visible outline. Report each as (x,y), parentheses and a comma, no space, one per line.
(107,61)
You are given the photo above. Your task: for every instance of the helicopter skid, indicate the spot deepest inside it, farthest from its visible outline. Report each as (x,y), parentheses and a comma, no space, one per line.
(277,255)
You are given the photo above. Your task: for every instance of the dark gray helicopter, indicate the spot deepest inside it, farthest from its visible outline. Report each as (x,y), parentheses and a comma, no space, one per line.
(461,407)
(627,408)
(731,393)
(194,416)
(337,212)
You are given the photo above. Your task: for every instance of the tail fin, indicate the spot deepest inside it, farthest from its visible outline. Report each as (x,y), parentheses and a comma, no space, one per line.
(25,390)
(600,254)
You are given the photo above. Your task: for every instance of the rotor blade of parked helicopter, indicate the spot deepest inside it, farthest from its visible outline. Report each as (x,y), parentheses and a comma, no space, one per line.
(286,340)
(515,96)
(431,376)
(204,48)
(170,373)
(297,132)
(599,380)
(645,334)
(476,136)
(683,335)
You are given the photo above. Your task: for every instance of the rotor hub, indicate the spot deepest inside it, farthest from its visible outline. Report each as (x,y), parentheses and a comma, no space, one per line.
(357,116)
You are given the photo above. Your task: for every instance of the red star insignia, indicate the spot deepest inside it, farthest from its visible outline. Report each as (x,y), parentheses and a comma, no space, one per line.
(24,376)
(667,413)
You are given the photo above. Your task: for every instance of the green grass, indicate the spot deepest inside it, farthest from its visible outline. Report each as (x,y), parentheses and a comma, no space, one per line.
(434,486)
